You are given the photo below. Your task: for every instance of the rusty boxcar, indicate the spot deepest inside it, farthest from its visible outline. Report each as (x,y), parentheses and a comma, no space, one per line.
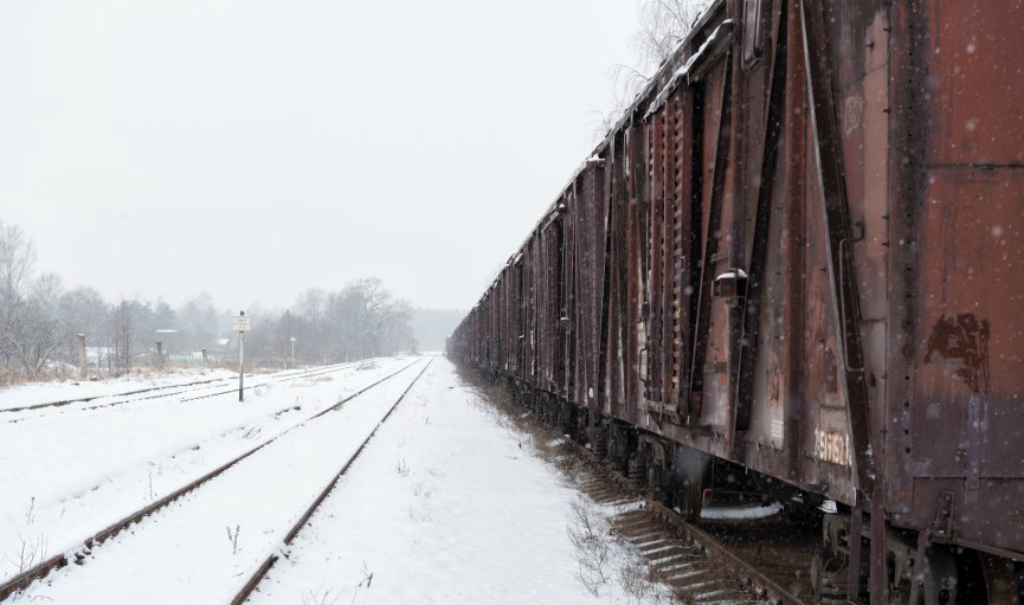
(801,251)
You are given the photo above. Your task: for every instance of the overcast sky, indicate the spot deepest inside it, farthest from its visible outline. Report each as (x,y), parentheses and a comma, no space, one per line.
(254,149)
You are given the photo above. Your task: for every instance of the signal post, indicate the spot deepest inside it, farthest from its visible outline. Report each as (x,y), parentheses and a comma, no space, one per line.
(241,324)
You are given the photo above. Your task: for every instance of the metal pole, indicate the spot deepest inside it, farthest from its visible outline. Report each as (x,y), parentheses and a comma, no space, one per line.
(241,365)
(293,352)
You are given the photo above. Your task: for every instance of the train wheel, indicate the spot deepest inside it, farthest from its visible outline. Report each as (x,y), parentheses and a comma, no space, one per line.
(692,469)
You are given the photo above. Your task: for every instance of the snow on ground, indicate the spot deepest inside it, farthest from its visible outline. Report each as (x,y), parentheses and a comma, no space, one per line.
(203,548)
(447,505)
(65,476)
(45,392)
(190,391)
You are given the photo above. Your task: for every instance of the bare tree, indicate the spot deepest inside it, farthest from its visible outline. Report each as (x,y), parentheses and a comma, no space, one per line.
(38,321)
(200,322)
(83,311)
(662,25)
(365,320)
(17,259)
(311,309)
(396,330)
(40,331)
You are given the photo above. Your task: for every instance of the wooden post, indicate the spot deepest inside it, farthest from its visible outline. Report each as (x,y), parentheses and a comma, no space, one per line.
(83,362)
(159,355)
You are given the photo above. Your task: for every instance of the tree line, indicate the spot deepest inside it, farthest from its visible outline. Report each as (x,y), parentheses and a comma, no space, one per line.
(41,320)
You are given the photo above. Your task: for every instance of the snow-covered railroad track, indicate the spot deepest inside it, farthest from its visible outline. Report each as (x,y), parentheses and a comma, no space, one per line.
(278,378)
(287,457)
(698,567)
(268,563)
(68,402)
(215,387)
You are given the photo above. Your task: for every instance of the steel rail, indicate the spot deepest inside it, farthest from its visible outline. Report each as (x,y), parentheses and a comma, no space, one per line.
(273,380)
(64,402)
(264,568)
(27,577)
(712,547)
(256,386)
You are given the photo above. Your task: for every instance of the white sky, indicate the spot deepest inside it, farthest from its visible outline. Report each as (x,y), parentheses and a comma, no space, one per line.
(254,149)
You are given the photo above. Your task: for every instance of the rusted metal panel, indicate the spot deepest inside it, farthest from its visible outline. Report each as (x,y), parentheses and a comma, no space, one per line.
(968,420)
(773,387)
(977,83)
(618,355)
(568,260)
(590,230)
(961,210)
(629,287)
(760,195)
(655,315)
(838,239)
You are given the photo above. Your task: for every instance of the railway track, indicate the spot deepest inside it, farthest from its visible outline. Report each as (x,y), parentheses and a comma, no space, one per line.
(310,374)
(261,572)
(693,563)
(699,564)
(158,392)
(83,552)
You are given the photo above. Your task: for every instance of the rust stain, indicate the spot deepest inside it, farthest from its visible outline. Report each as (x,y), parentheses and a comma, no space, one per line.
(964,338)
(853,109)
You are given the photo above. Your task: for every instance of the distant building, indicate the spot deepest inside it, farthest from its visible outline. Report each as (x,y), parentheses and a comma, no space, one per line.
(191,358)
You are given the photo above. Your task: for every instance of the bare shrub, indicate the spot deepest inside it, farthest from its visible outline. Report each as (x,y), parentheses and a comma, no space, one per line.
(30,553)
(367,577)
(321,596)
(592,547)
(233,538)
(640,582)
(402,468)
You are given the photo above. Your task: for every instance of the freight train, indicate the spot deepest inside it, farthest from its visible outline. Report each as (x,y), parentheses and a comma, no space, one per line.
(801,252)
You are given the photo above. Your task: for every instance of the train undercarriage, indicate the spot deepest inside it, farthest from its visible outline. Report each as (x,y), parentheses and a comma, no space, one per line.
(684,479)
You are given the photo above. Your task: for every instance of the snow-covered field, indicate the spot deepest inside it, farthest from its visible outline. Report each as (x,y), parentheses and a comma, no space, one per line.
(66,475)
(446,504)
(25,395)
